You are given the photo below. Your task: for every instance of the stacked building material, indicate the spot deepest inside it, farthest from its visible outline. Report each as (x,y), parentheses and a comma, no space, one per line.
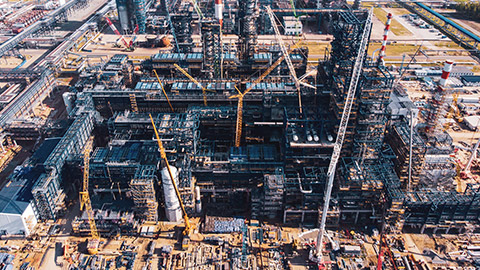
(222,224)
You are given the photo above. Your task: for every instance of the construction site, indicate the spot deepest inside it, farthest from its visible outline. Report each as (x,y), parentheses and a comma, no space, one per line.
(270,134)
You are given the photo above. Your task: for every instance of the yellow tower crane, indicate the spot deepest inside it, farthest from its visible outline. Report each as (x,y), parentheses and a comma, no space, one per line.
(204,90)
(85,203)
(240,96)
(163,155)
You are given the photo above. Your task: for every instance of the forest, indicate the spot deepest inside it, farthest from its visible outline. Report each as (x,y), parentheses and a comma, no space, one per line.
(471,9)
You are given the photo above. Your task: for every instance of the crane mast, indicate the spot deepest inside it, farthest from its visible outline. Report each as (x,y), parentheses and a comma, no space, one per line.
(356,72)
(163,89)
(286,54)
(85,202)
(204,90)
(239,123)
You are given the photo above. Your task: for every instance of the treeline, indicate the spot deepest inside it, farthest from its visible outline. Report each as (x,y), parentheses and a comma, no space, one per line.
(470,9)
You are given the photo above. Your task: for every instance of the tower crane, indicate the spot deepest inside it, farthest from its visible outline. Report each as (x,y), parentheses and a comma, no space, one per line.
(163,155)
(342,128)
(204,90)
(240,96)
(286,54)
(122,38)
(85,203)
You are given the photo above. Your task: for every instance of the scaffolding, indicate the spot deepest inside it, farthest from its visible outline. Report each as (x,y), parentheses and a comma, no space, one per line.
(398,138)
(140,15)
(248,28)
(375,89)
(308,135)
(211,46)
(182,23)
(47,193)
(303,190)
(48,196)
(430,211)
(132,154)
(72,143)
(29,98)
(268,201)
(143,192)
(110,223)
(336,70)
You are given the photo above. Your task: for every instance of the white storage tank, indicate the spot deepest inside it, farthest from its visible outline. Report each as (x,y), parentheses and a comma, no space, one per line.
(198,200)
(172,205)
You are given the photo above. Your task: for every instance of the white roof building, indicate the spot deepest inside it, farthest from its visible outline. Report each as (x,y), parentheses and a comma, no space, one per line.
(16,212)
(472,121)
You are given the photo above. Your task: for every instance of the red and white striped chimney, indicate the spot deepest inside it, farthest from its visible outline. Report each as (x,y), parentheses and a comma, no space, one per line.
(385,36)
(219,11)
(447,68)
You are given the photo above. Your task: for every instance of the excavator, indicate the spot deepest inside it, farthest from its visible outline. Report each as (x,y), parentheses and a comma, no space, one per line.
(185,240)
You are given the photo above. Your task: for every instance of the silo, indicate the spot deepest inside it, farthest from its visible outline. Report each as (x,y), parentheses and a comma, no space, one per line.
(172,205)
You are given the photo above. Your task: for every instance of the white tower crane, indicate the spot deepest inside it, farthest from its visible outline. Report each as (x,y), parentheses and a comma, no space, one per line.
(286,54)
(356,72)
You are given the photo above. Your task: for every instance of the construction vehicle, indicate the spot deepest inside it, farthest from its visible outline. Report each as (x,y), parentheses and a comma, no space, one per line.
(86,204)
(185,241)
(128,45)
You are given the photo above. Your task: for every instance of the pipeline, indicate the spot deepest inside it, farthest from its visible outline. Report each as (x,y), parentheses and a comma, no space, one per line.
(21,64)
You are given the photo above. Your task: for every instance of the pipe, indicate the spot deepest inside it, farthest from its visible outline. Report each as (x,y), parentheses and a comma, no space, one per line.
(373,53)
(385,36)
(410,152)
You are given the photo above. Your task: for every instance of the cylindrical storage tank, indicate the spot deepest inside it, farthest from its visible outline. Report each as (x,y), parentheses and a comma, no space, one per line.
(69,101)
(172,205)
(198,201)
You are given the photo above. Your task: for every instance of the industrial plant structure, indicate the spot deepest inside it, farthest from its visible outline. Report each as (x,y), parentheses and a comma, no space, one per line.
(247,127)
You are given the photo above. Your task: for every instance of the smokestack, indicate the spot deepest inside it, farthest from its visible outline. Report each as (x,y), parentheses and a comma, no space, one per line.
(219,11)
(447,68)
(385,36)
(437,99)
